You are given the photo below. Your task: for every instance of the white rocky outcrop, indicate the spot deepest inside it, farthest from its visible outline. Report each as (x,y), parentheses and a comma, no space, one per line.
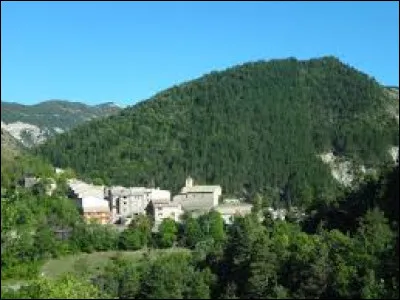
(18,129)
(342,170)
(394,152)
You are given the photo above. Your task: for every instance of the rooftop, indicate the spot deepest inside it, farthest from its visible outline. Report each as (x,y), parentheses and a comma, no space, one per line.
(234,208)
(123,191)
(82,189)
(200,189)
(160,201)
(167,204)
(91,204)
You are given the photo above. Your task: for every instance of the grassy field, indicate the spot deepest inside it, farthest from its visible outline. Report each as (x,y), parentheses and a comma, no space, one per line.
(94,262)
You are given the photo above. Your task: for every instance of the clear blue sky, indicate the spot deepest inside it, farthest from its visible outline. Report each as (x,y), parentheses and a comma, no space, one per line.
(126,51)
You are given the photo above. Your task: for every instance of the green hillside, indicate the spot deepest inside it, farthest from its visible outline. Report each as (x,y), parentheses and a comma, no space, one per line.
(257,127)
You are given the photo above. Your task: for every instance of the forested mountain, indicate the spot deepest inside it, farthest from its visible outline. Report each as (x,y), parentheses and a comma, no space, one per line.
(32,124)
(258,127)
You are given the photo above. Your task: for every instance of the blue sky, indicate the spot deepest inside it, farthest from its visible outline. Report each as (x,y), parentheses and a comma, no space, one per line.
(127,51)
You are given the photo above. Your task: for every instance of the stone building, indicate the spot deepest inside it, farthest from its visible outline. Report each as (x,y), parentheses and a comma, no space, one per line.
(128,202)
(161,210)
(198,197)
(229,211)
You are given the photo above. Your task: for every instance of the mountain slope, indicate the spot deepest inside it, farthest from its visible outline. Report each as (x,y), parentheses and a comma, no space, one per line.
(10,146)
(16,162)
(258,127)
(393,108)
(32,124)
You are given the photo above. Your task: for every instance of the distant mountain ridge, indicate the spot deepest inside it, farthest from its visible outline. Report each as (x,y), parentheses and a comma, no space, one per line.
(33,124)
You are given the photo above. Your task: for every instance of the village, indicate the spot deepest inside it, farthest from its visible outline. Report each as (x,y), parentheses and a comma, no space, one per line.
(119,205)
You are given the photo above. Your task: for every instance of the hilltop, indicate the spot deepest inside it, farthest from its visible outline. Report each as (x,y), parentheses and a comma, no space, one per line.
(258,127)
(33,124)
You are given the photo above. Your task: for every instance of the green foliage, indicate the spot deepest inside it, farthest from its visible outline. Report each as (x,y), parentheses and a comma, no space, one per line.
(29,223)
(44,243)
(212,226)
(94,237)
(120,278)
(15,168)
(173,277)
(67,287)
(253,128)
(282,261)
(262,269)
(137,236)
(374,232)
(192,232)
(167,233)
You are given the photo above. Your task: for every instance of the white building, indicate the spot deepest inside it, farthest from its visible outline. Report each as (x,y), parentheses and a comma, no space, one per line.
(159,195)
(162,210)
(94,208)
(198,197)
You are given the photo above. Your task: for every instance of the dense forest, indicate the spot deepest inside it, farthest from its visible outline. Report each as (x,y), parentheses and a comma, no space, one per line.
(352,254)
(253,128)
